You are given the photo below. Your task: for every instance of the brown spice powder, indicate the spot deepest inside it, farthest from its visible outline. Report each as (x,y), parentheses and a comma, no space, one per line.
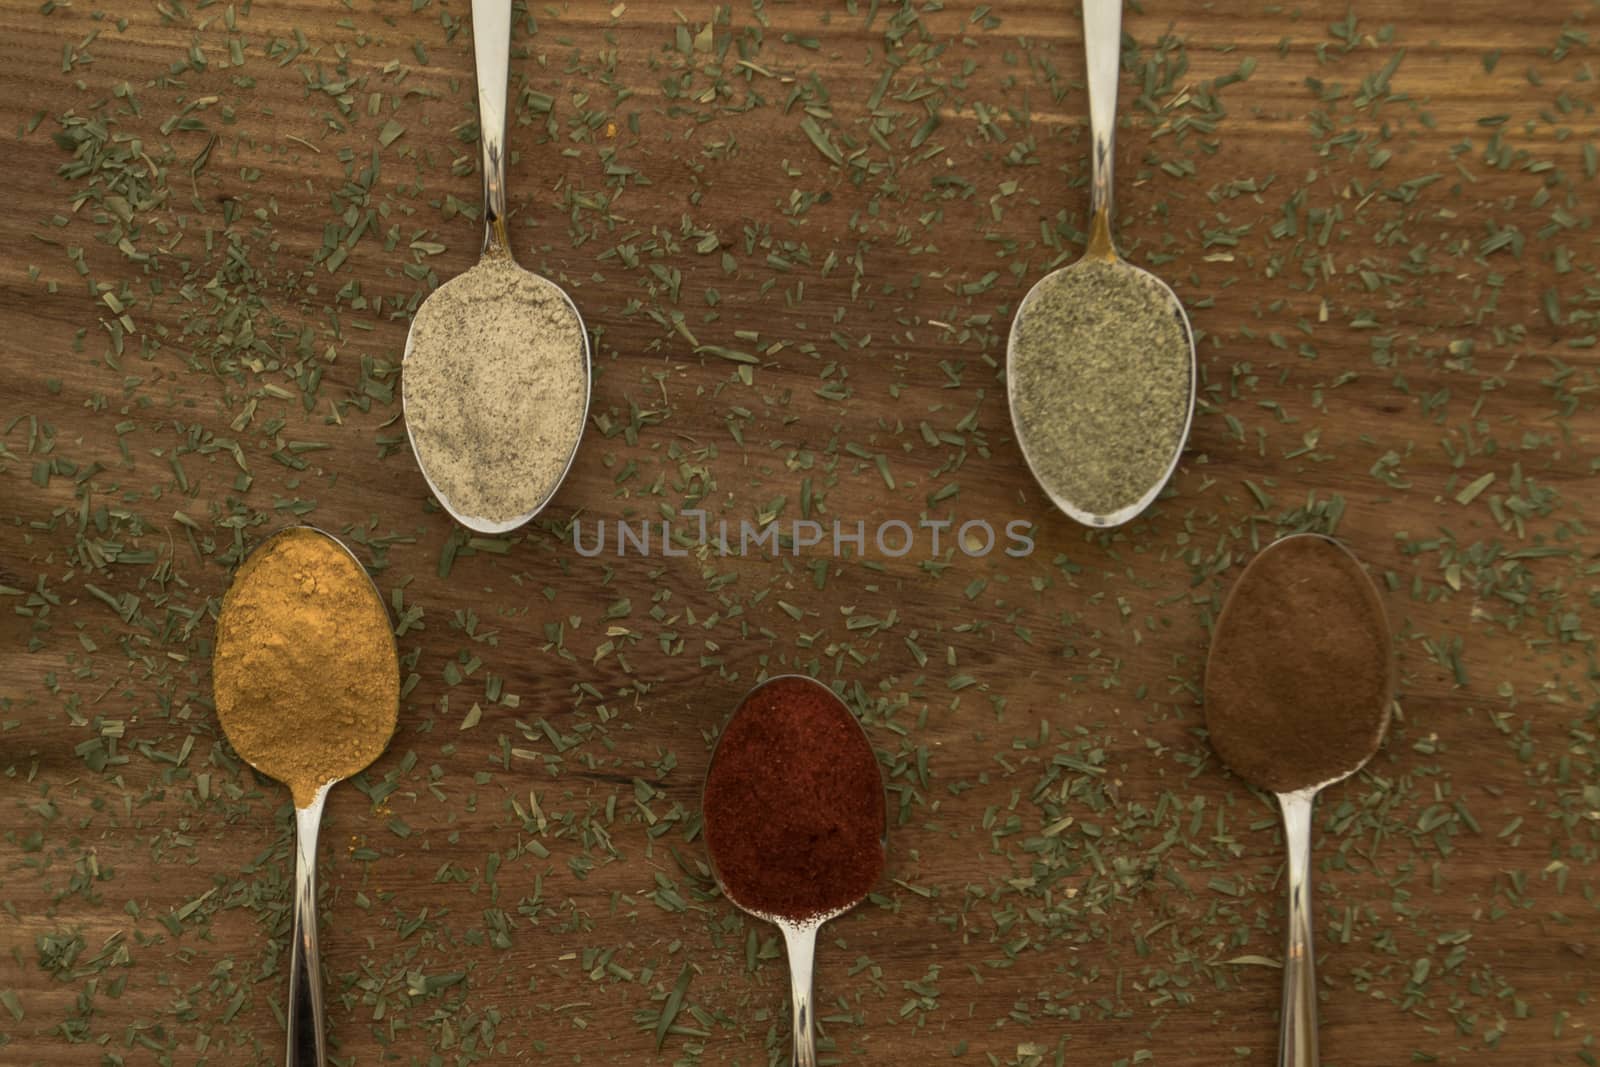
(1301,671)
(305,675)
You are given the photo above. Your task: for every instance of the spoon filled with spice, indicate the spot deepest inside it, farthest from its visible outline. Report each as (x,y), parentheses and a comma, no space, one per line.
(495,379)
(1298,687)
(795,821)
(306,684)
(1100,366)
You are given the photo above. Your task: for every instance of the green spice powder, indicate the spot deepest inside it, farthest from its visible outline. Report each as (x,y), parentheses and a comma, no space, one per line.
(1100,384)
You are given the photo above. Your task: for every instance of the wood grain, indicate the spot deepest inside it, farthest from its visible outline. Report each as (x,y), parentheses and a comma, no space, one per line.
(1004,694)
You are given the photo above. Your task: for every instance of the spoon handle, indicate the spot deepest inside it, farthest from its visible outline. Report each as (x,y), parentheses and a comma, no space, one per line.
(1102,49)
(800,940)
(1297,1027)
(307,1043)
(491,47)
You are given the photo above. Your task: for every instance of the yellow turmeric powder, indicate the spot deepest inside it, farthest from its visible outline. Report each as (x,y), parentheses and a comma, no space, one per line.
(305,675)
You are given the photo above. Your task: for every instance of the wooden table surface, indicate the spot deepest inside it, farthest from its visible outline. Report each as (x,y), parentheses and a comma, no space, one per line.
(797,232)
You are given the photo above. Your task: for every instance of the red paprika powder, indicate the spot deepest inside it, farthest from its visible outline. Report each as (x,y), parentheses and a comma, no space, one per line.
(794,808)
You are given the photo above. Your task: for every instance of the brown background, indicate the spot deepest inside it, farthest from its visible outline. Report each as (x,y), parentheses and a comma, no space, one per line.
(146,872)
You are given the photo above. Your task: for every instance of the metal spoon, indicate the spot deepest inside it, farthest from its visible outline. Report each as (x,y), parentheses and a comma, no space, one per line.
(1102,45)
(491,46)
(307,1037)
(799,936)
(1297,1031)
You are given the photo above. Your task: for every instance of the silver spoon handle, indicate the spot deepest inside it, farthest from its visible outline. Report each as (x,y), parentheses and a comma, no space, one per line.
(1297,1027)
(491,47)
(1102,49)
(307,1042)
(800,941)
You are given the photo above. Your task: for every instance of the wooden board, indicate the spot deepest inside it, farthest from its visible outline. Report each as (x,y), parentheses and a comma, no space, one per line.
(1384,233)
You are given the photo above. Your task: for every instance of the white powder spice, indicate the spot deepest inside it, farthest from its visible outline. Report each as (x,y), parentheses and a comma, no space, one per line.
(494,386)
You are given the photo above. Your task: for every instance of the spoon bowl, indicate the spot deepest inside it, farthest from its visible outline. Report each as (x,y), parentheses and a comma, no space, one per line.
(799,934)
(1030,445)
(306,1034)
(1102,39)
(480,523)
(491,42)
